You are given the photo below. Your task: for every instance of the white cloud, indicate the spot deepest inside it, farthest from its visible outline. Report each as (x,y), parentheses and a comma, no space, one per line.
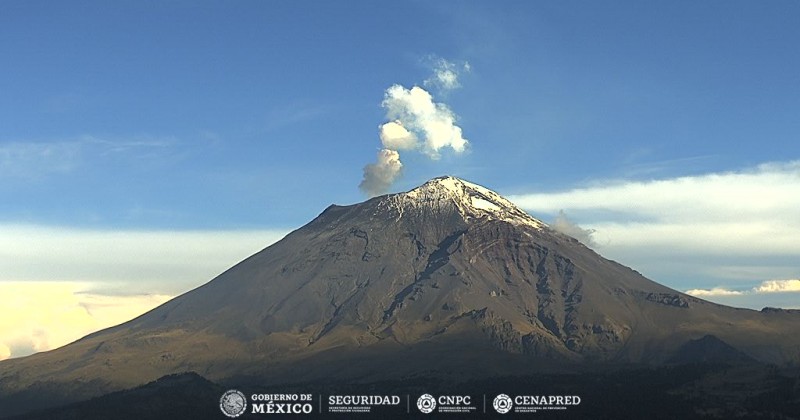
(761,194)
(40,316)
(447,78)
(745,212)
(445,74)
(717,291)
(765,287)
(747,237)
(778,286)
(167,262)
(418,113)
(708,229)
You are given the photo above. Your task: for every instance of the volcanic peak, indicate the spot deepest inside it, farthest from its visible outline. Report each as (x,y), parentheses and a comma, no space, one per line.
(472,201)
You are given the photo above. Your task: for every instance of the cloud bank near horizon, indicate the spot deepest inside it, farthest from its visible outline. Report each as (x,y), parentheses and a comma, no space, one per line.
(737,226)
(58,284)
(41,316)
(768,286)
(136,261)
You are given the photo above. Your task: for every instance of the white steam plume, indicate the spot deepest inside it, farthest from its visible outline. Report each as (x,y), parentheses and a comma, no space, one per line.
(566,226)
(394,136)
(415,122)
(417,111)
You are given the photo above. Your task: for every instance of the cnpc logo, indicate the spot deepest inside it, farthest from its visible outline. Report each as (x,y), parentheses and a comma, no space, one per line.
(427,403)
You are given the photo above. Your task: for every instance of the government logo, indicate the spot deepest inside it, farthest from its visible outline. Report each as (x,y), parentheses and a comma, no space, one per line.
(502,403)
(426,403)
(233,403)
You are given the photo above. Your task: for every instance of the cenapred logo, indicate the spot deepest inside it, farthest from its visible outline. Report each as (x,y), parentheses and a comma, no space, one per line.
(502,403)
(233,403)
(426,403)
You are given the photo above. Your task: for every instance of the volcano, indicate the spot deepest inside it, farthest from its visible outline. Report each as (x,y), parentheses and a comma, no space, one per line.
(446,280)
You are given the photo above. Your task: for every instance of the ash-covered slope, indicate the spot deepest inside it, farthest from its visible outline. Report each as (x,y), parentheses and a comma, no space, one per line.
(447,279)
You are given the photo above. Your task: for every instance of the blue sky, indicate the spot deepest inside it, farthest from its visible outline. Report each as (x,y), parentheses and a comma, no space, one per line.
(205,130)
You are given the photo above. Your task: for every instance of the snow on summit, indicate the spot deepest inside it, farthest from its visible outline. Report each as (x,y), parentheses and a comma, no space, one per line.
(471,201)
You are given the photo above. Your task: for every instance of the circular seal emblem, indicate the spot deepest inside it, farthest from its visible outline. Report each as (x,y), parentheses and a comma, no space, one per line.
(426,403)
(233,403)
(502,403)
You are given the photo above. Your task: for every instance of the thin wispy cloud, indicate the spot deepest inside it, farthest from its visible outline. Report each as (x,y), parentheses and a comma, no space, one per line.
(638,166)
(446,74)
(156,261)
(294,113)
(105,145)
(35,160)
(38,160)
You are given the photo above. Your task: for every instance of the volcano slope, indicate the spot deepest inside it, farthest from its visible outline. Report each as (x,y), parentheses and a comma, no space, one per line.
(446,280)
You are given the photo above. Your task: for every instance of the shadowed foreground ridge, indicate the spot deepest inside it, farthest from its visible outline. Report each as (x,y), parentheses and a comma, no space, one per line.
(449,280)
